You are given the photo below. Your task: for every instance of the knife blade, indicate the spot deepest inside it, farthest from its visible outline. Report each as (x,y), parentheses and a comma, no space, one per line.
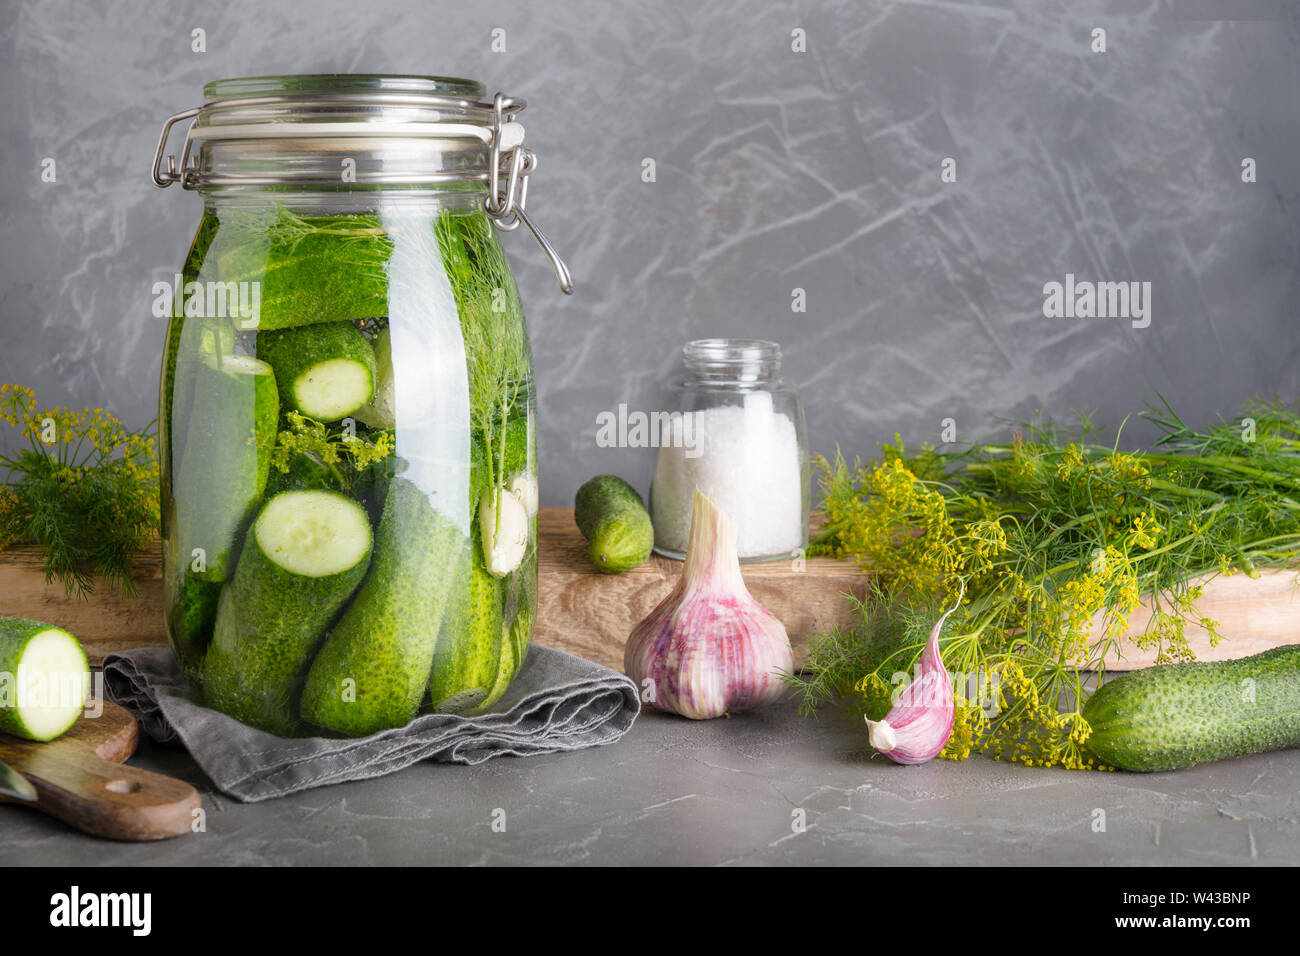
(13,784)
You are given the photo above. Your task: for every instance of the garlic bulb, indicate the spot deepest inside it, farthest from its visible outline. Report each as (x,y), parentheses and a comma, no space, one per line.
(709,647)
(919,724)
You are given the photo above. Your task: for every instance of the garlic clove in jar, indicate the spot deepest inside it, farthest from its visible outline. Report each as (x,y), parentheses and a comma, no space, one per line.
(503,528)
(524,487)
(709,648)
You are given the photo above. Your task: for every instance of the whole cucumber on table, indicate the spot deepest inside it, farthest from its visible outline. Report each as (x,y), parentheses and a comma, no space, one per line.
(613,518)
(44,679)
(374,668)
(231,432)
(326,371)
(305,555)
(1179,715)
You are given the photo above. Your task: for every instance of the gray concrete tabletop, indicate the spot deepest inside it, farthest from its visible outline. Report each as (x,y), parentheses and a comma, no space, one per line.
(761,788)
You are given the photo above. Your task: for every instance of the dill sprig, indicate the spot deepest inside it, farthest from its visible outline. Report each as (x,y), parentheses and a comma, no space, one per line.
(347,457)
(1058,537)
(85,489)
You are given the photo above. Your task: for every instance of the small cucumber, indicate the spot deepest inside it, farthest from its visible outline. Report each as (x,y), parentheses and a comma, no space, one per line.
(307,552)
(1179,715)
(613,519)
(326,371)
(372,672)
(44,679)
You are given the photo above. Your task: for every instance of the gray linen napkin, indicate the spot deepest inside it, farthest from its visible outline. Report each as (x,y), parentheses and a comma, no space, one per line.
(557,702)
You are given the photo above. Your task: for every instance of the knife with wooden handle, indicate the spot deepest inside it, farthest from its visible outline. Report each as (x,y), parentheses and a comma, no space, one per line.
(80,779)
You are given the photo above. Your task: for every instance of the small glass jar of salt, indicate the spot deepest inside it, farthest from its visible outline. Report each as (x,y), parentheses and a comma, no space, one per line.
(736,434)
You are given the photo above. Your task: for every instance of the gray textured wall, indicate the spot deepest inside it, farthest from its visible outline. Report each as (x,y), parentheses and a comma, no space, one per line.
(775,170)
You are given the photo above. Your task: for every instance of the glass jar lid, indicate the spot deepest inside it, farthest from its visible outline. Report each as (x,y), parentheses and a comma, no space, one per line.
(732,361)
(357,132)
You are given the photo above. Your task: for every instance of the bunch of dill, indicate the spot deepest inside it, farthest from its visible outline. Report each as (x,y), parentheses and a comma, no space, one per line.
(1059,538)
(84,489)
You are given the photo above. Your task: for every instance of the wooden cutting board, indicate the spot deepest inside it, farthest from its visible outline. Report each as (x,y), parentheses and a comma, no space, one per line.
(590,614)
(80,779)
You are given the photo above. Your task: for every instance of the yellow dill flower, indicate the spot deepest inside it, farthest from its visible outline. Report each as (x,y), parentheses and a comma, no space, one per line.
(1071,463)
(1145,531)
(1129,469)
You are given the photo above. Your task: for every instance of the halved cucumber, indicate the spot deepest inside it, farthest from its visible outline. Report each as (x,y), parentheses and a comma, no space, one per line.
(44,679)
(305,555)
(325,371)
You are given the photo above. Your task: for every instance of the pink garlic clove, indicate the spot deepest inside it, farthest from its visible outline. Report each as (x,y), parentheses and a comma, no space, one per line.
(919,724)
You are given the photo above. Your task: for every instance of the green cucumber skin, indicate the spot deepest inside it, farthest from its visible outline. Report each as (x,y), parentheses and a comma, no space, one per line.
(15,634)
(306,473)
(235,419)
(614,520)
(172,385)
(468,653)
(191,341)
(294,352)
(1174,716)
(483,641)
(379,412)
(520,604)
(191,619)
(385,640)
(320,277)
(269,623)
(195,339)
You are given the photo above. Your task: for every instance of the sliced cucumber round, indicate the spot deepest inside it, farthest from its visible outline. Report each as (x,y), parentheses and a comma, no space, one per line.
(44,679)
(313,534)
(326,371)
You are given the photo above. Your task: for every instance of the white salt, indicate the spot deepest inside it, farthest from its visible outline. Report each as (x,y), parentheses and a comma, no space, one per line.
(747,459)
